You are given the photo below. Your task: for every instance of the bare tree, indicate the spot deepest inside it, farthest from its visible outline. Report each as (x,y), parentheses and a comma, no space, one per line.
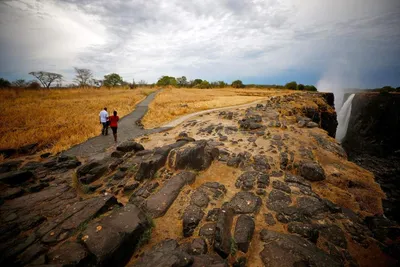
(142,83)
(83,77)
(20,83)
(47,78)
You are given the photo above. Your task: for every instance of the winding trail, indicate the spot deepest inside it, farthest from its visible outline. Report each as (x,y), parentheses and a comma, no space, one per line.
(127,129)
(95,147)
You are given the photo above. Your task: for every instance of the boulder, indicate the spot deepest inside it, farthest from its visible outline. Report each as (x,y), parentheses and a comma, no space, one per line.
(112,239)
(247,180)
(223,238)
(158,204)
(199,198)
(165,254)
(118,154)
(244,230)
(281,186)
(129,146)
(244,203)
(306,230)
(269,219)
(312,124)
(196,155)
(208,231)
(16,177)
(69,253)
(10,166)
(198,246)
(334,234)
(278,200)
(191,219)
(290,250)
(311,206)
(312,171)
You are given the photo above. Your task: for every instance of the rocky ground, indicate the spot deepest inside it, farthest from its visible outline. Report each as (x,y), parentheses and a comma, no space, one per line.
(258,186)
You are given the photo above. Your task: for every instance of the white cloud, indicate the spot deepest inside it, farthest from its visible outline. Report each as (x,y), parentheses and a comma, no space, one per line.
(209,39)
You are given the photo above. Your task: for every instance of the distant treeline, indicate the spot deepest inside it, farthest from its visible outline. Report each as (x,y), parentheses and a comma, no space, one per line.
(85,78)
(386,89)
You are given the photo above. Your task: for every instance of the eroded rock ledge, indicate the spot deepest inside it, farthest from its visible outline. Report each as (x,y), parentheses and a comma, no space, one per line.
(265,185)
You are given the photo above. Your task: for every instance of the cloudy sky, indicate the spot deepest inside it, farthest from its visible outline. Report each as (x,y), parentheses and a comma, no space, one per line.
(330,43)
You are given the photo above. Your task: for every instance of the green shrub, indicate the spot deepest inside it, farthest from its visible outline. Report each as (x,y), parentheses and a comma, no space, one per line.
(237,84)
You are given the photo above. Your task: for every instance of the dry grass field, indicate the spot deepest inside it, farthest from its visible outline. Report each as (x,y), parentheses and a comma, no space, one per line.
(172,103)
(59,118)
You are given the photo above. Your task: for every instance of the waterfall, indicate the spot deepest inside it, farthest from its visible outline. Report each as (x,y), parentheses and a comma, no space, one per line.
(343,119)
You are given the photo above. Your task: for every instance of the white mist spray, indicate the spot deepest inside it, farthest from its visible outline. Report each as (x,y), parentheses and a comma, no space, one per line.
(343,118)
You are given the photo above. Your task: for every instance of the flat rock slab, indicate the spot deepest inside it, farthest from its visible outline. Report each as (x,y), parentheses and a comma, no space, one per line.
(245,202)
(165,254)
(113,238)
(289,250)
(158,204)
(69,253)
(244,230)
(16,177)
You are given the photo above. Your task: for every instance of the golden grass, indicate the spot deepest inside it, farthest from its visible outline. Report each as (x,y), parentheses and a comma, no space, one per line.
(60,118)
(175,102)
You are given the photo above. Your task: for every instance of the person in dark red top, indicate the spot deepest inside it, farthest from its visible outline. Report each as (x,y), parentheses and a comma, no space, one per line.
(114,124)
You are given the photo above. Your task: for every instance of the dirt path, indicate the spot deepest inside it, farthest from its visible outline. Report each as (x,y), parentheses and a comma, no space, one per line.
(127,129)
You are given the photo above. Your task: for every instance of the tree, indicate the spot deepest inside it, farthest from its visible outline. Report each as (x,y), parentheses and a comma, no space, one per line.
(83,77)
(237,84)
(20,83)
(196,82)
(203,85)
(112,79)
(4,83)
(300,87)
(133,84)
(47,78)
(222,84)
(34,85)
(310,88)
(182,81)
(166,80)
(291,85)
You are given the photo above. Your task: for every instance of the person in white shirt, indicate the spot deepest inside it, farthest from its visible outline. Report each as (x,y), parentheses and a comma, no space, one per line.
(104,121)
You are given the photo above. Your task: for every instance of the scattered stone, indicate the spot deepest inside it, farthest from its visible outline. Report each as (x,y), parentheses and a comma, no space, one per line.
(278,200)
(191,219)
(308,231)
(212,215)
(196,155)
(112,239)
(269,219)
(281,186)
(244,203)
(290,178)
(16,177)
(158,204)
(312,124)
(10,166)
(290,250)
(334,234)
(244,232)
(208,231)
(70,253)
(166,253)
(199,198)
(312,171)
(222,240)
(261,163)
(129,146)
(118,154)
(11,193)
(311,206)
(198,247)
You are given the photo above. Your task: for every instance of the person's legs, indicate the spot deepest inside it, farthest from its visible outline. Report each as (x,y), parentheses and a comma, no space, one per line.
(114,129)
(103,131)
(106,128)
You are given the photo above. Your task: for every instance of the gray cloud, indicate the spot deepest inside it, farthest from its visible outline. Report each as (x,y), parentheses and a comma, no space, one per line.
(211,39)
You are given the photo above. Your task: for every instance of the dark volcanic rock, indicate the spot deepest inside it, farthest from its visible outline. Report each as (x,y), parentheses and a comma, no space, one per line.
(245,202)
(269,219)
(16,177)
(247,180)
(281,186)
(222,242)
(129,146)
(118,154)
(311,206)
(198,246)
(251,123)
(199,198)
(70,253)
(196,155)
(191,219)
(309,231)
(278,200)
(11,193)
(208,231)
(290,250)
(312,171)
(165,254)
(334,234)
(244,230)
(10,166)
(112,239)
(158,204)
